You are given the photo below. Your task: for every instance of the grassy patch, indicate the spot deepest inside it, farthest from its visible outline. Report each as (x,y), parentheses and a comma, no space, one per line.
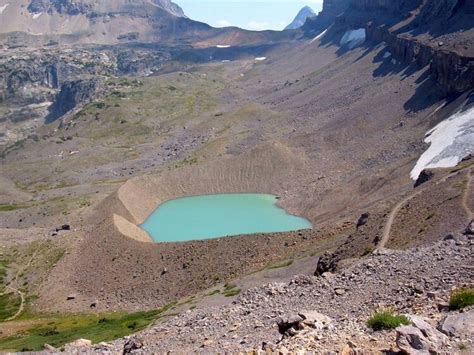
(9,304)
(9,208)
(462,298)
(387,320)
(230,290)
(280,265)
(3,275)
(60,330)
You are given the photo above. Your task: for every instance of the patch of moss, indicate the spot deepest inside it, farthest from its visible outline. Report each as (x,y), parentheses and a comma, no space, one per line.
(280,265)
(461,298)
(387,319)
(230,290)
(9,305)
(9,208)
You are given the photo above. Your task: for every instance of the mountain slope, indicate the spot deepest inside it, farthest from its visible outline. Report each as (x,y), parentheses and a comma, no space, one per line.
(301,18)
(103,21)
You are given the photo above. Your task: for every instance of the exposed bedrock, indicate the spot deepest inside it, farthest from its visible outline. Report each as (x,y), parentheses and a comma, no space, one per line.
(453,72)
(72,94)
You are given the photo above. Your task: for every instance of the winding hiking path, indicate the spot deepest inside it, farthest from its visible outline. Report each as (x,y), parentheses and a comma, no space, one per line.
(465,197)
(391,218)
(16,290)
(393,214)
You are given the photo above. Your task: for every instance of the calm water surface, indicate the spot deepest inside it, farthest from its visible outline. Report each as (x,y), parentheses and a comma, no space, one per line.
(213,216)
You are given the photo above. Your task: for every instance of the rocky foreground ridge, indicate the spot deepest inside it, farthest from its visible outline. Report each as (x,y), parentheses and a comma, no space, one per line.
(329,313)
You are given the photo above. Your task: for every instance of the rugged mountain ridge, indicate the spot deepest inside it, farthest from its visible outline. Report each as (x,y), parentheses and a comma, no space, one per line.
(300,19)
(87,21)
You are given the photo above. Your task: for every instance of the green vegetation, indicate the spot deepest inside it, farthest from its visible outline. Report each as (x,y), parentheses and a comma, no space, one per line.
(3,275)
(280,265)
(60,330)
(9,304)
(230,290)
(387,319)
(461,298)
(8,208)
(369,250)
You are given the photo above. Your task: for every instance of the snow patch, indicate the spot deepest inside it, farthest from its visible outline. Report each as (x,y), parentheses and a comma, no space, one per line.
(353,38)
(260,59)
(451,141)
(226,61)
(387,55)
(319,36)
(2,8)
(222,46)
(35,16)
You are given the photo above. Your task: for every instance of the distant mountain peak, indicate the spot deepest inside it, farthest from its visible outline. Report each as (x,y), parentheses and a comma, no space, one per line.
(301,18)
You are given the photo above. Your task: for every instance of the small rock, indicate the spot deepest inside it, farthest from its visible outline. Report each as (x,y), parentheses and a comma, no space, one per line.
(339,291)
(131,345)
(443,306)
(315,319)
(80,343)
(49,348)
(71,297)
(363,219)
(469,229)
(290,324)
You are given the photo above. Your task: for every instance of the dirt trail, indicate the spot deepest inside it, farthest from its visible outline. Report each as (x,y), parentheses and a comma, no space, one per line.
(465,197)
(391,219)
(16,290)
(398,207)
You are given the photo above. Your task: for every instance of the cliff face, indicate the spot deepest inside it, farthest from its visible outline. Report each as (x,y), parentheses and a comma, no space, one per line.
(438,33)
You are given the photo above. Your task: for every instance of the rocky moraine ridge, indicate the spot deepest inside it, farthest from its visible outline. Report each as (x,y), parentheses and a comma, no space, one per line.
(328,314)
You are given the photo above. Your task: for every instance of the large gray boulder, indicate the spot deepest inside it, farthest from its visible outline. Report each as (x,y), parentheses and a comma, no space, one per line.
(459,324)
(419,338)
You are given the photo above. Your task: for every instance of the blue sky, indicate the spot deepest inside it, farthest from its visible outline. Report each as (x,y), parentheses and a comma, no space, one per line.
(248,14)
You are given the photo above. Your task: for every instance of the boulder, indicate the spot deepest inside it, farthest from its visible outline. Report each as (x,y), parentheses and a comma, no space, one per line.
(459,324)
(420,337)
(469,229)
(325,263)
(49,348)
(80,343)
(71,297)
(363,219)
(131,345)
(289,325)
(315,319)
(425,176)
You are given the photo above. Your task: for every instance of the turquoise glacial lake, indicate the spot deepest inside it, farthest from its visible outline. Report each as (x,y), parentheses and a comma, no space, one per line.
(214,216)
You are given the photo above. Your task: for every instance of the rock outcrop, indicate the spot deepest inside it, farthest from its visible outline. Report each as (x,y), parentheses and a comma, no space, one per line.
(72,94)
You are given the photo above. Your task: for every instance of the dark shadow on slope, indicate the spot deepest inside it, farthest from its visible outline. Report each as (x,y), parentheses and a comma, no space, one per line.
(427,94)
(441,18)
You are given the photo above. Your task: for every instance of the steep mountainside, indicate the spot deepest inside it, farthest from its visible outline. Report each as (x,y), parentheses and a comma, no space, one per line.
(301,18)
(103,21)
(362,122)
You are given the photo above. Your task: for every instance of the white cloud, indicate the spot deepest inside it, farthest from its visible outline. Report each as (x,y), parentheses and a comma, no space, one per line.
(258,26)
(223,23)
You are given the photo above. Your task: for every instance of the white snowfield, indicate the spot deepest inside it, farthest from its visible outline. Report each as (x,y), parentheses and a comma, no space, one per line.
(2,8)
(353,38)
(451,141)
(35,16)
(319,36)
(260,59)
(222,46)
